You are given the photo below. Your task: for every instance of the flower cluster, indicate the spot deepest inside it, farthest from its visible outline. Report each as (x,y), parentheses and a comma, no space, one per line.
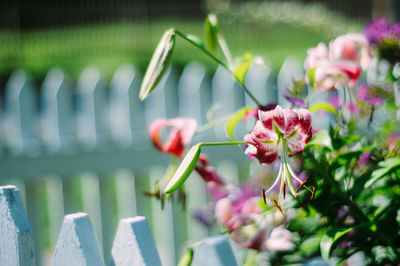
(338,66)
(241,212)
(353,159)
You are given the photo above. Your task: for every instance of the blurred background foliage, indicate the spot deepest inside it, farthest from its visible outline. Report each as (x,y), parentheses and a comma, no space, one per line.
(39,35)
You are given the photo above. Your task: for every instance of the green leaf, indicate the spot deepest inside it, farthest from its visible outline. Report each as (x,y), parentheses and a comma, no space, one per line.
(234,119)
(311,76)
(329,238)
(186,258)
(211,29)
(386,167)
(184,170)
(322,138)
(241,71)
(322,106)
(158,64)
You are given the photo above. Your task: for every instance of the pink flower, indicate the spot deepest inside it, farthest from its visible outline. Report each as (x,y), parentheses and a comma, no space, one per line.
(332,75)
(316,56)
(341,65)
(233,213)
(353,48)
(179,136)
(280,240)
(280,132)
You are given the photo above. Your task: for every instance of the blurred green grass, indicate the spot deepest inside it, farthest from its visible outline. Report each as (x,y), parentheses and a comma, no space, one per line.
(107,46)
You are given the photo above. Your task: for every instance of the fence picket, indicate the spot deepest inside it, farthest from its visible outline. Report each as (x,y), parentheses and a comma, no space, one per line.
(91,102)
(134,244)
(258,82)
(76,243)
(216,251)
(21,115)
(16,242)
(119,119)
(57,112)
(226,94)
(292,69)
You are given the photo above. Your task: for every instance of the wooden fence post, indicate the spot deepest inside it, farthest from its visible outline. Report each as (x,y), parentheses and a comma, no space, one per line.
(16,242)
(76,243)
(134,244)
(216,251)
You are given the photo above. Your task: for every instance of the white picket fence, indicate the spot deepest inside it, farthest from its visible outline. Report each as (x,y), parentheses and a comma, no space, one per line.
(77,245)
(84,147)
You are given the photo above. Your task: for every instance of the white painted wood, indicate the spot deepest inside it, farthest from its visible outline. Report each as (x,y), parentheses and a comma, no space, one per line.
(16,242)
(91,115)
(119,119)
(77,244)
(21,115)
(216,251)
(291,69)
(227,95)
(134,244)
(257,80)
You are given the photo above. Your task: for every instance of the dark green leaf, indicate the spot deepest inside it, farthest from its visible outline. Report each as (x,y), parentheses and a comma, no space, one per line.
(386,167)
(329,239)
(158,64)
(322,106)
(322,138)
(184,170)
(234,119)
(211,32)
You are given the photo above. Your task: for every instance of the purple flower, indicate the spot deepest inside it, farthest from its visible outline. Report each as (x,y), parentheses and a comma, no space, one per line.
(364,158)
(295,101)
(363,94)
(380,29)
(376,30)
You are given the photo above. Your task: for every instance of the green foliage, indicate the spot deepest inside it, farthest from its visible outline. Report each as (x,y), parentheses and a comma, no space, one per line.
(322,106)
(158,64)
(184,170)
(329,239)
(234,119)
(211,29)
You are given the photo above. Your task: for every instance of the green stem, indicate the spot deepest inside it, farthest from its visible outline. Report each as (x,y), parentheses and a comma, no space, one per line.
(219,62)
(221,143)
(225,50)
(212,123)
(308,97)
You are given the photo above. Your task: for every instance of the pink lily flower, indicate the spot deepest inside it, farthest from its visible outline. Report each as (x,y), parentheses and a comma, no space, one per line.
(179,136)
(315,56)
(280,133)
(351,47)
